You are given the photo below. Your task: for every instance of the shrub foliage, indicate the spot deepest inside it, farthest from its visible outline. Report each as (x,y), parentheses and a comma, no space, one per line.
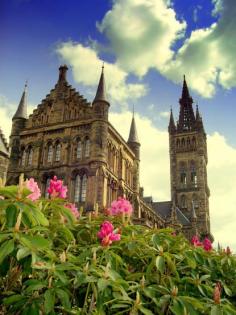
(53,263)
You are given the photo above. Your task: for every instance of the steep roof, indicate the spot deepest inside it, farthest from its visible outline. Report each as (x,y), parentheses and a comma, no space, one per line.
(164,208)
(3,144)
(101,90)
(133,134)
(21,111)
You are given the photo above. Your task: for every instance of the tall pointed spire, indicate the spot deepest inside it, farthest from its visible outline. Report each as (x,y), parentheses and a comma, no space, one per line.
(172,126)
(101,90)
(186,115)
(21,111)
(133,135)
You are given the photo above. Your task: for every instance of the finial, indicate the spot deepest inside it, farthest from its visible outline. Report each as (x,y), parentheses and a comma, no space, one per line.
(102,66)
(133,110)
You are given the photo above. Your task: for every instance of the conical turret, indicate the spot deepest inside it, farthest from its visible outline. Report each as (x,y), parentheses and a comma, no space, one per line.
(101,90)
(133,135)
(21,111)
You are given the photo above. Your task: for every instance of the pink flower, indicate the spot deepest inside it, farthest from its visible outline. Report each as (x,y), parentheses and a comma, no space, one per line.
(195,241)
(73,209)
(56,188)
(34,188)
(207,244)
(106,228)
(107,235)
(121,206)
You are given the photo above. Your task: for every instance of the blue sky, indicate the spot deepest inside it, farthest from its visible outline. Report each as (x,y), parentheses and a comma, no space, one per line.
(147,46)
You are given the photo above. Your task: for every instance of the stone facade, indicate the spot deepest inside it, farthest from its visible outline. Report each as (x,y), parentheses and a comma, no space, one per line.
(4,156)
(188,166)
(73,139)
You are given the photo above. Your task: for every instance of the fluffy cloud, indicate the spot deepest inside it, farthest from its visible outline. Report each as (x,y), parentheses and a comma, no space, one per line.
(141,33)
(155,172)
(86,66)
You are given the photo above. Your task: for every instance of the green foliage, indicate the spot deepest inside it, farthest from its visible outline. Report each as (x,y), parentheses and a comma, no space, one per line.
(51,263)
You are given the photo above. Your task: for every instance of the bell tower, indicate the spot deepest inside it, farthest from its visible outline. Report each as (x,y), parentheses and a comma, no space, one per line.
(188,164)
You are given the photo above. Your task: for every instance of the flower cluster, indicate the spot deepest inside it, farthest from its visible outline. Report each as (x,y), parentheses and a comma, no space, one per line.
(34,188)
(120,206)
(206,244)
(107,234)
(73,209)
(56,188)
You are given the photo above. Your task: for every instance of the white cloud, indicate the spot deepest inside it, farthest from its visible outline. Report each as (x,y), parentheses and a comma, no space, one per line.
(155,172)
(86,66)
(141,33)
(164,114)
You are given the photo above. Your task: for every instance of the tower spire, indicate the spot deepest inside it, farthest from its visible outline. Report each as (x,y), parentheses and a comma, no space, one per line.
(101,90)
(133,134)
(186,115)
(172,126)
(21,111)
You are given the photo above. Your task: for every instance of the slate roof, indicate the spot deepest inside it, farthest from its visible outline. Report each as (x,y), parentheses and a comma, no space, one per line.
(133,134)
(163,208)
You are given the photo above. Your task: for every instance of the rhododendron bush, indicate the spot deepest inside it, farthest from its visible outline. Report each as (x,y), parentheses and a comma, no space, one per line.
(57,259)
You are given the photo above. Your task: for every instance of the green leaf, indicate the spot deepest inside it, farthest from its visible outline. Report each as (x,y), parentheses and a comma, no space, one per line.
(160,264)
(49,300)
(216,310)
(22,253)
(64,298)
(36,242)
(11,216)
(6,248)
(13,298)
(145,310)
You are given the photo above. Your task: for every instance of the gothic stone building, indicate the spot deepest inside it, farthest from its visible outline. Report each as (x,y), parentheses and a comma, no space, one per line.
(4,156)
(73,139)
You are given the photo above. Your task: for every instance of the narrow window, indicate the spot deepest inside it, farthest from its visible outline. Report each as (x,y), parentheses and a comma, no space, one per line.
(183,201)
(30,156)
(58,152)
(50,153)
(79,150)
(84,188)
(77,189)
(23,158)
(87,148)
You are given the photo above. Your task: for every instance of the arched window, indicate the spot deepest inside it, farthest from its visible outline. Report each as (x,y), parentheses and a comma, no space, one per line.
(177,143)
(58,152)
(183,201)
(193,173)
(47,184)
(50,153)
(80,188)
(23,159)
(79,150)
(87,148)
(195,201)
(77,189)
(183,142)
(30,156)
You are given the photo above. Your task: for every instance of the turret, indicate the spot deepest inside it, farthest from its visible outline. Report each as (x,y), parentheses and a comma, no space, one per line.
(100,102)
(133,140)
(18,124)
